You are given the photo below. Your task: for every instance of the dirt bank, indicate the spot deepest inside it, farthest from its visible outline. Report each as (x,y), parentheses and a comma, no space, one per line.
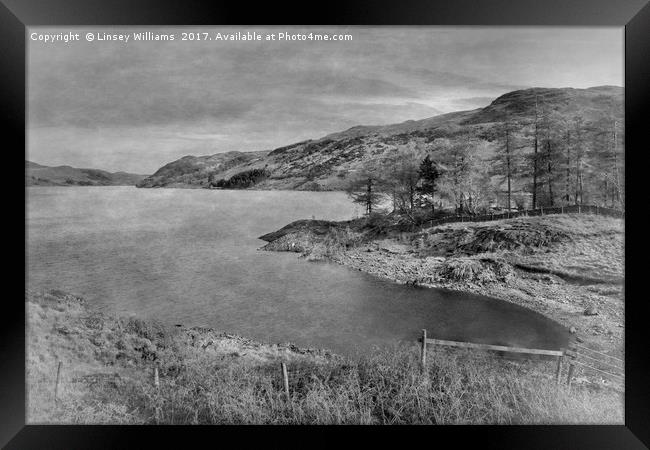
(97,350)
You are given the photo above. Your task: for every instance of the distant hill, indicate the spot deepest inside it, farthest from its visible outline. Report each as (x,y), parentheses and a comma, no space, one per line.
(39,175)
(327,163)
(198,171)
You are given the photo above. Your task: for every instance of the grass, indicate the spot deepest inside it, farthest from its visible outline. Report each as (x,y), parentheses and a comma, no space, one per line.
(385,387)
(473,270)
(207,378)
(575,245)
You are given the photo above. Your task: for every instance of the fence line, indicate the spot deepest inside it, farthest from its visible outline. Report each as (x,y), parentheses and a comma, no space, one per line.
(559,354)
(571,209)
(621,377)
(571,354)
(601,362)
(498,348)
(574,356)
(600,353)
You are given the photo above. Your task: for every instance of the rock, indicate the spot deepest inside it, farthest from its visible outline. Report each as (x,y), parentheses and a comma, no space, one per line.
(548,278)
(573,330)
(62,329)
(591,311)
(318,227)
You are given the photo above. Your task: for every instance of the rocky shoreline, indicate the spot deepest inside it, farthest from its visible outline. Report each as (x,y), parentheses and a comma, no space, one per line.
(568,268)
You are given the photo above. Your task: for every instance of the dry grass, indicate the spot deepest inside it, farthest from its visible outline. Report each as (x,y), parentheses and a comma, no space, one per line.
(205,379)
(385,387)
(473,270)
(575,245)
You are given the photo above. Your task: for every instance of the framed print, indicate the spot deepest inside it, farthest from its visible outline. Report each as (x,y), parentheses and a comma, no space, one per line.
(382,215)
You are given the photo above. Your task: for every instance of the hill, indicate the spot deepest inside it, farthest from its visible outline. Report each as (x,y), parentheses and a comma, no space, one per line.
(39,175)
(329,162)
(198,171)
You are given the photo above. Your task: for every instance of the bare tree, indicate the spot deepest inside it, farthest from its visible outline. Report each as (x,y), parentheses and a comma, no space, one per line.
(399,175)
(429,174)
(506,159)
(579,155)
(567,162)
(362,189)
(535,154)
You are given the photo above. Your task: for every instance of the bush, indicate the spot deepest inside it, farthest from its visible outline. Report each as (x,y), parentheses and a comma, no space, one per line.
(147,329)
(475,270)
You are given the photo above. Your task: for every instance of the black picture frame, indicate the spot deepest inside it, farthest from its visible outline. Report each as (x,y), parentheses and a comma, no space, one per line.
(16,15)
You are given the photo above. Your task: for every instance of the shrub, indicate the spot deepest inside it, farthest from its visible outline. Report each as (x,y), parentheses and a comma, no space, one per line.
(147,329)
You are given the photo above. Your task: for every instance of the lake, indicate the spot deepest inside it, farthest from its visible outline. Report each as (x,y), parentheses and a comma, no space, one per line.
(191,256)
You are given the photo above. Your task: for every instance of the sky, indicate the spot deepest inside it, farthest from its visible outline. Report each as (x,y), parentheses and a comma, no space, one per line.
(136,105)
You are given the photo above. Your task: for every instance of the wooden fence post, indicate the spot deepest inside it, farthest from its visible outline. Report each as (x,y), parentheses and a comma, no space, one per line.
(558,370)
(569,378)
(561,209)
(541,209)
(423,350)
(56,386)
(156,379)
(579,211)
(285,378)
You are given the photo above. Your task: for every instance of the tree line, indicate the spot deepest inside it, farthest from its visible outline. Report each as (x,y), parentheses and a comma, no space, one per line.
(240,180)
(545,159)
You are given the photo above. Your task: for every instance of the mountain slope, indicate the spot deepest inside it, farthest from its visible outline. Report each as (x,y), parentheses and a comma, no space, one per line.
(39,175)
(195,171)
(328,163)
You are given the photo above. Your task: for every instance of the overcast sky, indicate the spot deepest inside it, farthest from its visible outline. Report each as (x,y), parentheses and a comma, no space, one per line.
(135,106)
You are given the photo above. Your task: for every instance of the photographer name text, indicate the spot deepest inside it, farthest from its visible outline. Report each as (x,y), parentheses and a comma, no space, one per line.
(148,36)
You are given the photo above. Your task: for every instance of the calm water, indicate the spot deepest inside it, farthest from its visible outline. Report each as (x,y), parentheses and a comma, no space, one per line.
(190,256)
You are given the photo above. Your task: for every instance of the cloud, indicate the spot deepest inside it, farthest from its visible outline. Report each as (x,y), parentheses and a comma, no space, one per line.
(445,79)
(139,105)
(471,102)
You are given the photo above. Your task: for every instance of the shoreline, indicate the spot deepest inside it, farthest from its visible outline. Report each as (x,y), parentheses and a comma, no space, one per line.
(403,259)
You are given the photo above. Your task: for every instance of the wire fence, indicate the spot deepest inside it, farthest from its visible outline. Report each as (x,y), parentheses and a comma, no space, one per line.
(542,211)
(577,356)
(581,356)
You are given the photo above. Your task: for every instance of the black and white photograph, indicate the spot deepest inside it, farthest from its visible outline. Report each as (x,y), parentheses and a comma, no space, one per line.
(332,225)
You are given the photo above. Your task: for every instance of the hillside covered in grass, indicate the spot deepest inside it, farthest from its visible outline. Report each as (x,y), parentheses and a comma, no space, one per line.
(332,161)
(207,377)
